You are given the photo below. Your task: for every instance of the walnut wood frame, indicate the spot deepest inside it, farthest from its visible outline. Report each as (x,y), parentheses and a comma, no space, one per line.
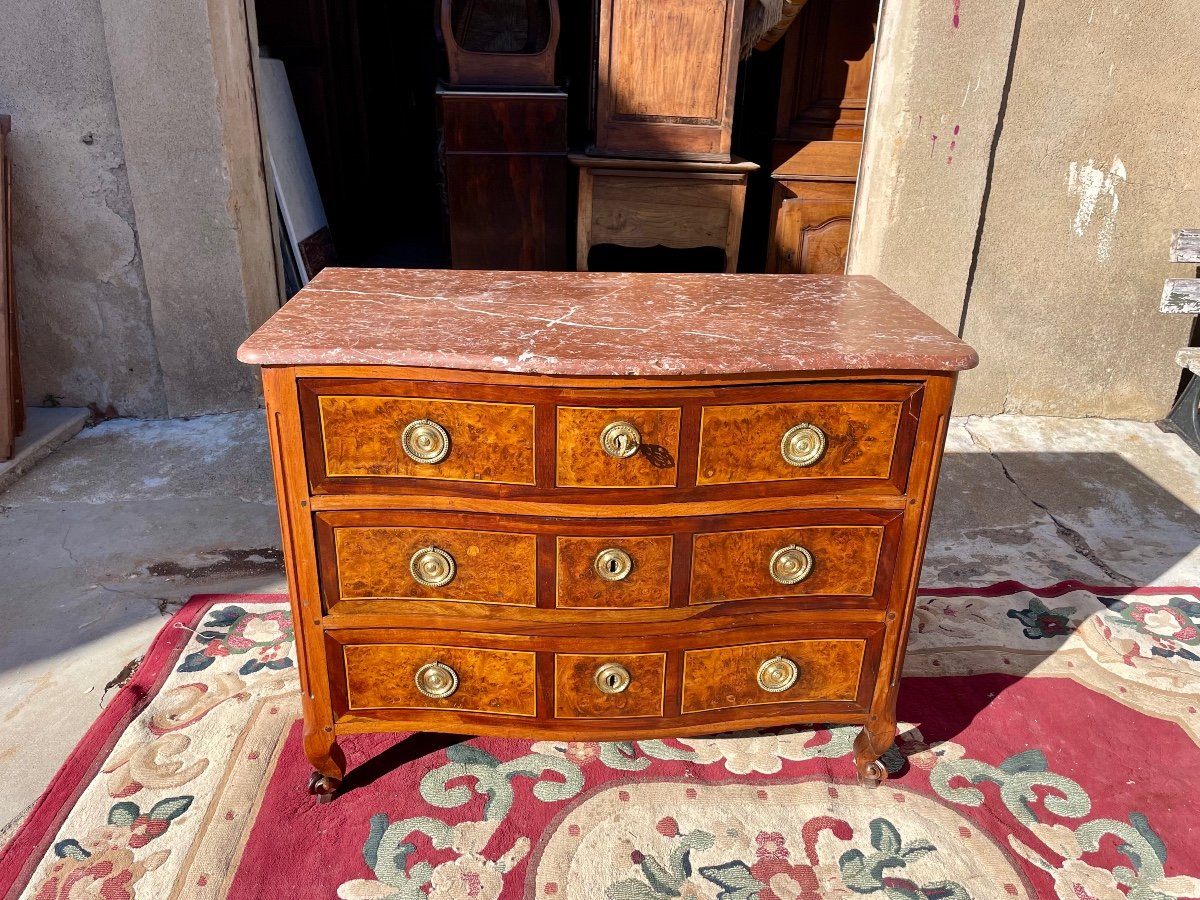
(309,503)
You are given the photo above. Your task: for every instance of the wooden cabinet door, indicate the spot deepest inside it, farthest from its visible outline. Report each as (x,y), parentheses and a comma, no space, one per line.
(667,70)
(812,229)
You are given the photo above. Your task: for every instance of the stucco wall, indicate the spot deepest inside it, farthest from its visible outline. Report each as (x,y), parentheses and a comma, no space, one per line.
(143,243)
(1059,258)
(84,308)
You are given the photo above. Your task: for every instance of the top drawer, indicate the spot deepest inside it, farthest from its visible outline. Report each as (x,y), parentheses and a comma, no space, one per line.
(614,445)
(788,441)
(405,437)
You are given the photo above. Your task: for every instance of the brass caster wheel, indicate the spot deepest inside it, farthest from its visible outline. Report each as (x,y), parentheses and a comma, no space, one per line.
(872,774)
(323,787)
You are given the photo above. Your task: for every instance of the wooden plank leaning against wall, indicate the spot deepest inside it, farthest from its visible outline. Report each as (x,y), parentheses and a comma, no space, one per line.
(12,404)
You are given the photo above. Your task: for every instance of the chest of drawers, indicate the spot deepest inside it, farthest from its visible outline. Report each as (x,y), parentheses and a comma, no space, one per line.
(601,506)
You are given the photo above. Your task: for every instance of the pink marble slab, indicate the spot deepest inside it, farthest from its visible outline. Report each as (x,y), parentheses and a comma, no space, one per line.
(591,323)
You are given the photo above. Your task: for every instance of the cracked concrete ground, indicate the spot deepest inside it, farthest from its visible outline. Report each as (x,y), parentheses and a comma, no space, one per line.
(109,535)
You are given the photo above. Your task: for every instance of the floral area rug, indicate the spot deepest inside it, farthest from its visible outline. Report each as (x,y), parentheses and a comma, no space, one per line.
(1048,749)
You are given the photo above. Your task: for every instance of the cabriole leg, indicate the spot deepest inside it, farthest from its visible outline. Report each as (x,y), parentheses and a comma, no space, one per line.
(872,742)
(329,761)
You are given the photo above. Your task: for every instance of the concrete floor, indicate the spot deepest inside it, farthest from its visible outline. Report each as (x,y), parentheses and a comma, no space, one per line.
(110,534)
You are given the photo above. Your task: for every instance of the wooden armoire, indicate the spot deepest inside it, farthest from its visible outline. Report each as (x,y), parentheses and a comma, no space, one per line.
(828,56)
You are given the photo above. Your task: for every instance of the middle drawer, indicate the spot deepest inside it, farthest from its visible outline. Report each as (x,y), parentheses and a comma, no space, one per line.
(381,561)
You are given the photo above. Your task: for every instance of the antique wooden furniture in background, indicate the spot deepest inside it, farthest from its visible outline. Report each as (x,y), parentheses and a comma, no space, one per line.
(601,507)
(667,70)
(12,401)
(648,203)
(812,202)
(505,43)
(818,134)
(828,54)
(506,177)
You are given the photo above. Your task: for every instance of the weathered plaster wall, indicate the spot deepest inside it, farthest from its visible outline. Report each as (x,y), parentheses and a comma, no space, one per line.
(84,307)
(187,201)
(143,239)
(1097,159)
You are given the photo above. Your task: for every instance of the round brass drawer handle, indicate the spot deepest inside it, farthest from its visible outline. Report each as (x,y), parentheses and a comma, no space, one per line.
(621,440)
(612,678)
(777,674)
(432,567)
(436,680)
(425,441)
(613,564)
(803,445)
(791,564)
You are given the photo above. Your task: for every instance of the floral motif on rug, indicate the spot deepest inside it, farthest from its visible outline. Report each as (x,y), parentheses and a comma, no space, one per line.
(192,785)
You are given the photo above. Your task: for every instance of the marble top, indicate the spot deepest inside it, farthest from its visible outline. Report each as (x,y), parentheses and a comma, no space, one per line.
(596,324)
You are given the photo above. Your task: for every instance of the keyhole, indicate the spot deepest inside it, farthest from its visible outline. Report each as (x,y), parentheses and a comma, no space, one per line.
(613,681)
(612,566)
(621,443)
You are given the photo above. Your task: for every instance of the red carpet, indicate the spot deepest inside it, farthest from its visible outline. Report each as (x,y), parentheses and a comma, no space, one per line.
(1055,757)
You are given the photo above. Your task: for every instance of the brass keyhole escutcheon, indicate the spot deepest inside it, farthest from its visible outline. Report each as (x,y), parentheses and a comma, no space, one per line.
(433,567)
(791,564)
(425,441)
(803,445)
(612,678)
(777,674)
(613,564)
(621,440)
(436,680)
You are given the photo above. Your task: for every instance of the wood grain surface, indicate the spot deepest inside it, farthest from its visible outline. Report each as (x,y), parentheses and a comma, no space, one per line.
(735,565)
(582,461)
(382,676)
(727,677)
(647,586)
(742,443)
(577,697)
(492,567)
(489,442)
(667,71)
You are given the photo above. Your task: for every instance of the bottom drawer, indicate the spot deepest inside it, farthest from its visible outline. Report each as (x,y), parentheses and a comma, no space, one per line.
(423,676)
(676,677)
(828,670)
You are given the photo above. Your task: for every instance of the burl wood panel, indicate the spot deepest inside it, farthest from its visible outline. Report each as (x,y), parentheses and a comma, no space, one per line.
(740,444)
(582,461)
(647,586)
(489,442)
(491,566)
(735,565)
(727,677)
(382,676)
(577,697)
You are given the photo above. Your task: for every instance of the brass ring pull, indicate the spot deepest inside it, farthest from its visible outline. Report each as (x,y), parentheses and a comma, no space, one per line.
(777,674)
(621,440)
(433,567)
(803,445)
(612,678)
(436,680)
(425,441)
(791,564)
(613,564)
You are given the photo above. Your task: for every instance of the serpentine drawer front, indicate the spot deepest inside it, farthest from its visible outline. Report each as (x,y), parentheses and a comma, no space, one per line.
(604,507)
